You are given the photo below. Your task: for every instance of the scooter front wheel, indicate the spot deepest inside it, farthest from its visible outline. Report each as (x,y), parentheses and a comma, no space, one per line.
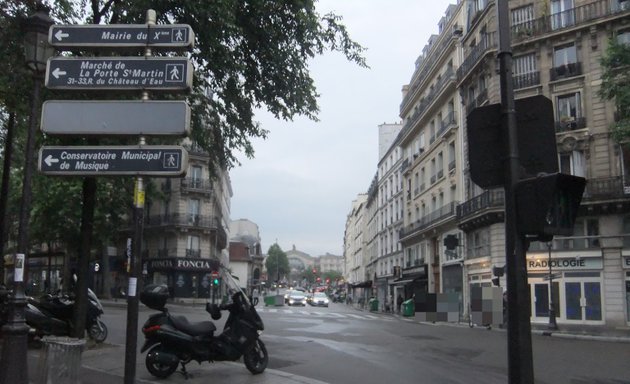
(256,358)
(161,363)
(98,331)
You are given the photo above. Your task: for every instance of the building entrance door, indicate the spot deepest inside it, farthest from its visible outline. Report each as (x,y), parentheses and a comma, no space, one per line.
(583,301)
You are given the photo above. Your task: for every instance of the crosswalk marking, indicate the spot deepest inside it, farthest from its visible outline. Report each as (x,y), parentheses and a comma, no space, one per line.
(324,314)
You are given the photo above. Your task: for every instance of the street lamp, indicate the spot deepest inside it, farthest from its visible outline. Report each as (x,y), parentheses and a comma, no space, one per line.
(552,308)
(13,366)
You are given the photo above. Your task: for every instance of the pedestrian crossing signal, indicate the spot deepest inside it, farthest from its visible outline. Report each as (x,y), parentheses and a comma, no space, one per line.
(547,205)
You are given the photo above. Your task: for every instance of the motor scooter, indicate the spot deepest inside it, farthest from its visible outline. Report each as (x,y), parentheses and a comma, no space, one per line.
(53,314)
(171,339)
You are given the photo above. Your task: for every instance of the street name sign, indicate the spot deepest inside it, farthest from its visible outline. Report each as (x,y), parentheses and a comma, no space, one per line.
(121,35)
(157,160)
(128,117)
(156,73)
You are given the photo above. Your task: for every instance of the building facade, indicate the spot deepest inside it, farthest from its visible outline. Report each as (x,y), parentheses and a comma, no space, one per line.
(186,228)
(246,258)
(557,47)
(432,167)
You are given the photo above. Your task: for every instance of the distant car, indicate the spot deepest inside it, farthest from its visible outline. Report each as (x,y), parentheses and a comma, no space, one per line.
(297,298)
(286,296)
(320,299)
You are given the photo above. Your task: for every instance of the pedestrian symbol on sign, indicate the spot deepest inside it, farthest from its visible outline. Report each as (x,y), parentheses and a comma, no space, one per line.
(179,34)
(174,71)
(171,160)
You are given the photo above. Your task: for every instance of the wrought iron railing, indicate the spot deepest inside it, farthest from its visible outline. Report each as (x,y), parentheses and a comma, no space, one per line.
(432,218)
(492,198)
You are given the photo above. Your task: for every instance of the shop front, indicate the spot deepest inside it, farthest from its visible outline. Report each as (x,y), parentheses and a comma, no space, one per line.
(575,284)
(185,277)
(413,283)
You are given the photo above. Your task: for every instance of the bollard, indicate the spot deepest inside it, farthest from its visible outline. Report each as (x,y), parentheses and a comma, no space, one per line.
(60,360)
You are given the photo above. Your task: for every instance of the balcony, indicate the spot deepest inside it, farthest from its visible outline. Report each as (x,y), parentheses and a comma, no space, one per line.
(572,17)
(606,188)
(526,80)
(482,210)
(190,184)
(429,220)
(565,71)
(447,78)
(481,98)
(570,124)
(487,44)
(193,253)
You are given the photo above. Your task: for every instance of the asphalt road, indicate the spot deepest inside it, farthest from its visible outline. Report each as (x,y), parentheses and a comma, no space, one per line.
(342,345)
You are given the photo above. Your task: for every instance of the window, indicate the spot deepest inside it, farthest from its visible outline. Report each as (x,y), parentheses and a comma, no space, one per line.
(565,62)
(479,243)
(573,163)
(625,166)
(193,211)
(564,55)
(568,108)
(562,13)
(195,176)
(440,165)
(451,155)
(623,36)
(192,246)
(525,71)
(522,15)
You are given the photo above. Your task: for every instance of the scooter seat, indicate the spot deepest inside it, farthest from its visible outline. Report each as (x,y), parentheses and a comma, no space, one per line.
(202,328)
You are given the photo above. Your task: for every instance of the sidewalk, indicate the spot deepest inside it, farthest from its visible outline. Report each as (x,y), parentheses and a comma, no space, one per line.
(105,364)
(567,331)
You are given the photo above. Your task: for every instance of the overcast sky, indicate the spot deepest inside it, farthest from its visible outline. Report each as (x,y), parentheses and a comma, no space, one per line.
(300,186)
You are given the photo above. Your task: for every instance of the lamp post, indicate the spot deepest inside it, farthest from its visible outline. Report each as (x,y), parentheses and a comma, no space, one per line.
(552,307)
(13,366)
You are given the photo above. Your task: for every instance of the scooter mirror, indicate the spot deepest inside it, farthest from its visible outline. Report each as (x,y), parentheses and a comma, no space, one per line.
(214,311)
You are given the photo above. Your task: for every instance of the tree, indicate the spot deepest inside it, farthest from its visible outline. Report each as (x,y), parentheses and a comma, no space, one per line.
(277,263)
(616,86)
(248,55)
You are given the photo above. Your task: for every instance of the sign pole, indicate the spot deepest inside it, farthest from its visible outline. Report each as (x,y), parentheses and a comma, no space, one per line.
(520,359)
(135,284)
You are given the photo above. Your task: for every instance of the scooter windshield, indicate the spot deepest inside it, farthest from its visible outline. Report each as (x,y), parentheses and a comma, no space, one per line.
(232,285)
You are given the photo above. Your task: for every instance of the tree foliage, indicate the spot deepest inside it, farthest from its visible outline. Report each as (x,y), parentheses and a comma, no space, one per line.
(248,55)
(616,86)
(277,263)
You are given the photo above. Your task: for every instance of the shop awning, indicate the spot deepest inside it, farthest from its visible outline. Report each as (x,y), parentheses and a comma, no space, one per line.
(401,281)
(363,284)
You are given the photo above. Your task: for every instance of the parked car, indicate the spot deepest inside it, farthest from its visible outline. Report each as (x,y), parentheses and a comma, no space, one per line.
(297,298)
(320,299)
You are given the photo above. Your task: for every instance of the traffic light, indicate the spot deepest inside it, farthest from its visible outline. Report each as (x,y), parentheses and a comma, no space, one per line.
(547,205)
(497,272)
(451,242)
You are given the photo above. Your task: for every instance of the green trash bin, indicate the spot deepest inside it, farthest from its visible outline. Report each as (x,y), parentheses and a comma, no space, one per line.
(408,308)
(270,300)
(373,305)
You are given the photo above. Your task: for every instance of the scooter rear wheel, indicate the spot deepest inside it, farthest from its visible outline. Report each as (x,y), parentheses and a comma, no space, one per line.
(158,367)
(256,358)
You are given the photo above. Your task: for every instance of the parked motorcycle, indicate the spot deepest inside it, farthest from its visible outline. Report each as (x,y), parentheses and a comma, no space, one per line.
(171,340)
(53,314)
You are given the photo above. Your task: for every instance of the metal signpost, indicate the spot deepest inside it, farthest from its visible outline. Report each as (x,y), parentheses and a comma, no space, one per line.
(128,117)
(138,117)
(133,73)
(121,35)
(162,161)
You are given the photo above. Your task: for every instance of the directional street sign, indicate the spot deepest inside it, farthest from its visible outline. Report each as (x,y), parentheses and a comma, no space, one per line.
(157,73)
(128,117)
(121,35)
(157,160)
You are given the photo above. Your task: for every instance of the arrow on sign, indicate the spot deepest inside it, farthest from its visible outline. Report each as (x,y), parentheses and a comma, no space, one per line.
(49,160)
(58,72)
(60,35)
